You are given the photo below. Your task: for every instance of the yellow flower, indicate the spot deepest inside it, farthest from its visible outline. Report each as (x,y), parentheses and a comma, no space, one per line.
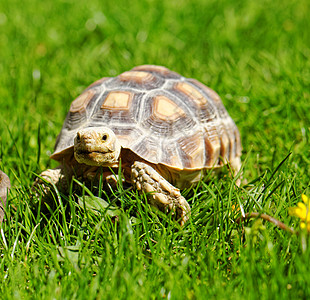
(302,212)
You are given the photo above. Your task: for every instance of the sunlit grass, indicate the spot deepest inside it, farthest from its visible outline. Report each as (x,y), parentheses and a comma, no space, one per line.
(255,54)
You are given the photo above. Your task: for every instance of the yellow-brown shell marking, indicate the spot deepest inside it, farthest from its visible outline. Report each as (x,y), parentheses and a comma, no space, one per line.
(191,92)
(117,100)
(138,77)
(166,110)
(80,103)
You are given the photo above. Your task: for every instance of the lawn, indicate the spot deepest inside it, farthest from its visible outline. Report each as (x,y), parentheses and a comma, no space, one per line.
(255,54)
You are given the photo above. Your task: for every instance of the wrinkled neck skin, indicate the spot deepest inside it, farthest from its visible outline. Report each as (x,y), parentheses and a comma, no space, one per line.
(72,168)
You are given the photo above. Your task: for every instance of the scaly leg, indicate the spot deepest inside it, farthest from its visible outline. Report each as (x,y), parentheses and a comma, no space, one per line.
(55,176)
(160,192)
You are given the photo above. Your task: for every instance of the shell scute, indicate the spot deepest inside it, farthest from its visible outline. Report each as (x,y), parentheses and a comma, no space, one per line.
(212,148)
(149,147)
(79,105)
(158,70)
(166,110)
(166,116)
(140,80)
(116,107)
(80,109)
(117,100)
(191,150)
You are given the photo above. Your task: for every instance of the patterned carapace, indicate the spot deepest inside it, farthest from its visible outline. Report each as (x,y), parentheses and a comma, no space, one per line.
(160,116)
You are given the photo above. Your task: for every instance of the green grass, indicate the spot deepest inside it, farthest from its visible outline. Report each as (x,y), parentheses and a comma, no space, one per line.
(255,54)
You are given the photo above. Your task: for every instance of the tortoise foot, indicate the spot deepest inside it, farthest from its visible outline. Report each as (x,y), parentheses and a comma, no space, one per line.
(160,192)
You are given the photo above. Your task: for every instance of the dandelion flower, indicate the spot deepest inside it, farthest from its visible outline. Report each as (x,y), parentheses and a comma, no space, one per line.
(302,211)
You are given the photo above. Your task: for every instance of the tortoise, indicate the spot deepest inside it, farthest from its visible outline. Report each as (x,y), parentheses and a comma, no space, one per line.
(164,130)
(4,190)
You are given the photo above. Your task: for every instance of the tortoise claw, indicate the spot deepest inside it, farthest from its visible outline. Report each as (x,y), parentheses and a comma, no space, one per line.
(161,194)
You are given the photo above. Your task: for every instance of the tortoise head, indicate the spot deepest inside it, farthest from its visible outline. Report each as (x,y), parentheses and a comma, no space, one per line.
(96,146)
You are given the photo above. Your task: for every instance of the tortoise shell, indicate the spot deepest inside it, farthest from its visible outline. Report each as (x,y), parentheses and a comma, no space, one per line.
(159,115)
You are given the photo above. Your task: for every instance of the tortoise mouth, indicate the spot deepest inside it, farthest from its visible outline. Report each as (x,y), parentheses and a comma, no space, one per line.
(87,152)
(95,158)
(87,155)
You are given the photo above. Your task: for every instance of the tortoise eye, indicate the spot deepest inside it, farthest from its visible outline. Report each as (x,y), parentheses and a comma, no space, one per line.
(78,137)
(104,137)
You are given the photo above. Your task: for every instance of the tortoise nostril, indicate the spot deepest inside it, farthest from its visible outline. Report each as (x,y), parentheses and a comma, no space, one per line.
(104,137)
(78,137)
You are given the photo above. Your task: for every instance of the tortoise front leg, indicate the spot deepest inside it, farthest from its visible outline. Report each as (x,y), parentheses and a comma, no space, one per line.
(55,176)
(160,192)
